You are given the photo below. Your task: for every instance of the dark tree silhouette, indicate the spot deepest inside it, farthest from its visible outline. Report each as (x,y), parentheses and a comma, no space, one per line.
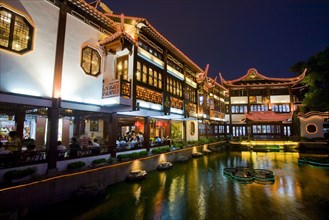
(317,81)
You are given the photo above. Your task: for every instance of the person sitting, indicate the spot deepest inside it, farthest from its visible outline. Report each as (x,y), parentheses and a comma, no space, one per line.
(158,140)
(31,147)
(74,147)
(60,146)
(90,144)
(3,149)
(95,147)
(14,142)
(95,143)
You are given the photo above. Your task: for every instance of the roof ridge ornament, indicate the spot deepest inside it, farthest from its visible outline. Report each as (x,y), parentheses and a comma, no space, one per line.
(122,22)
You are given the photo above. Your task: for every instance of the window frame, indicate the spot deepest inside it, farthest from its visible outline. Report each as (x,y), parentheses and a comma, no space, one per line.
(91,58)
(118,60)
(12,27)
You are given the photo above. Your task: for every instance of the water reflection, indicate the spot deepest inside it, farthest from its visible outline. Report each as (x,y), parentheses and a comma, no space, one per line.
(199,190)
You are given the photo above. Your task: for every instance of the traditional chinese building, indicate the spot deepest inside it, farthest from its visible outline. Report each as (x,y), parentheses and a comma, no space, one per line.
(260,107)
(69,68)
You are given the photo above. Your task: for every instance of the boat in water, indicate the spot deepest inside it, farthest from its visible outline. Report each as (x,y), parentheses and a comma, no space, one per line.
(206,151)
(182,159)
(196,154)
(263,176)
(136,175)
(249,175)
(164,165)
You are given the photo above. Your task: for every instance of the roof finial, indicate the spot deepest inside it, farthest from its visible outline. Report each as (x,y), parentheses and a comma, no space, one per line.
(206,70)
(122,26)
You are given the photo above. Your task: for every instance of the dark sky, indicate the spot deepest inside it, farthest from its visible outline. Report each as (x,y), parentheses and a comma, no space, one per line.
(235,35)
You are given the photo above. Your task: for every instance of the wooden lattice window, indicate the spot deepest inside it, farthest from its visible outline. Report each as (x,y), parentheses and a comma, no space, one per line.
(122,68)
(16,31)
(91,61)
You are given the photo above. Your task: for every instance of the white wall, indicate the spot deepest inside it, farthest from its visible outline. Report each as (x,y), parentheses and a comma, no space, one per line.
(32,73)
(190,137)
(97,134)
(239,100)
(280,99)
(315,120)
(76,85)
(237,119)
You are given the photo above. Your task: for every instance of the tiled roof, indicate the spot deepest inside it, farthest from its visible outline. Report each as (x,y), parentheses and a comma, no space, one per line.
(115,36)
(253,77)
(151,30)
(268,116)
(313,113)
(93,12)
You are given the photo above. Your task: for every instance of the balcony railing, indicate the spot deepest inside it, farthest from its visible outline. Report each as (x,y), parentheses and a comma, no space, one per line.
(117,87)
(27,158)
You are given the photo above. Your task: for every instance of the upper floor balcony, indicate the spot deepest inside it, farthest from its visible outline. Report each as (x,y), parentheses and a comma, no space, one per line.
(116,92)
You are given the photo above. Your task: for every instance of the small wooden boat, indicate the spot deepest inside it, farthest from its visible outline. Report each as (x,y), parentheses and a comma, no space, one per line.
(91,191)
(249,175)
(263,176)
(196,154)
(182,159)
(206,151)
(164,165)
(229,171)
(136,175)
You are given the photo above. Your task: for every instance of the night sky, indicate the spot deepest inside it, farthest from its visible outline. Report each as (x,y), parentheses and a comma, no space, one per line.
(233,36)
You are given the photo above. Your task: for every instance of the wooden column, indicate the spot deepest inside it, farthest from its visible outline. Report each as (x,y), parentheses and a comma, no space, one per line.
(76,126)
(53,112)
(147,133)
(112,133)
(133,92)
(184,131)
(52,134)
(19,119)
(230,111)
(166,103)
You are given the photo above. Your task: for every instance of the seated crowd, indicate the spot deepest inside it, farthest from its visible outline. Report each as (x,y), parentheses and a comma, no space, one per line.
(130,141)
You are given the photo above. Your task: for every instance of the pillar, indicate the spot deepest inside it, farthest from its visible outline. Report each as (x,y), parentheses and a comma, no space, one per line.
(147,133)
(52,134)
(112,133)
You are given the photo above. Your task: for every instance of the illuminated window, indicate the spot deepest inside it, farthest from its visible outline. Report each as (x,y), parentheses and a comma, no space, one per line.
(122,68)
(190,94)
(160,80)
(144,74)
(174,86)
(148,75)
(90,61)
(155,81)
(138,72)
(16,32)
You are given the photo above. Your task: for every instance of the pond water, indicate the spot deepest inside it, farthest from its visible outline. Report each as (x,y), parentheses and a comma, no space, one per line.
(198,189)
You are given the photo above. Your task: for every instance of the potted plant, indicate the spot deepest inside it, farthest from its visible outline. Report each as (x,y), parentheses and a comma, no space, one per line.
(76,165)
(99,162)
(20,175)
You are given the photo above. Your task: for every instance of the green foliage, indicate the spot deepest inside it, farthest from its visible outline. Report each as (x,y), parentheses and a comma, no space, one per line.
(99,161)
(178,145)
(16,174)
(176,131)
(317,93)
(134,155)
(160,150)
(212,140)
(76,165)
(203,141)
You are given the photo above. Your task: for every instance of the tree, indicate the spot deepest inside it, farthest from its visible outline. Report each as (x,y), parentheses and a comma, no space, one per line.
(316,80)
